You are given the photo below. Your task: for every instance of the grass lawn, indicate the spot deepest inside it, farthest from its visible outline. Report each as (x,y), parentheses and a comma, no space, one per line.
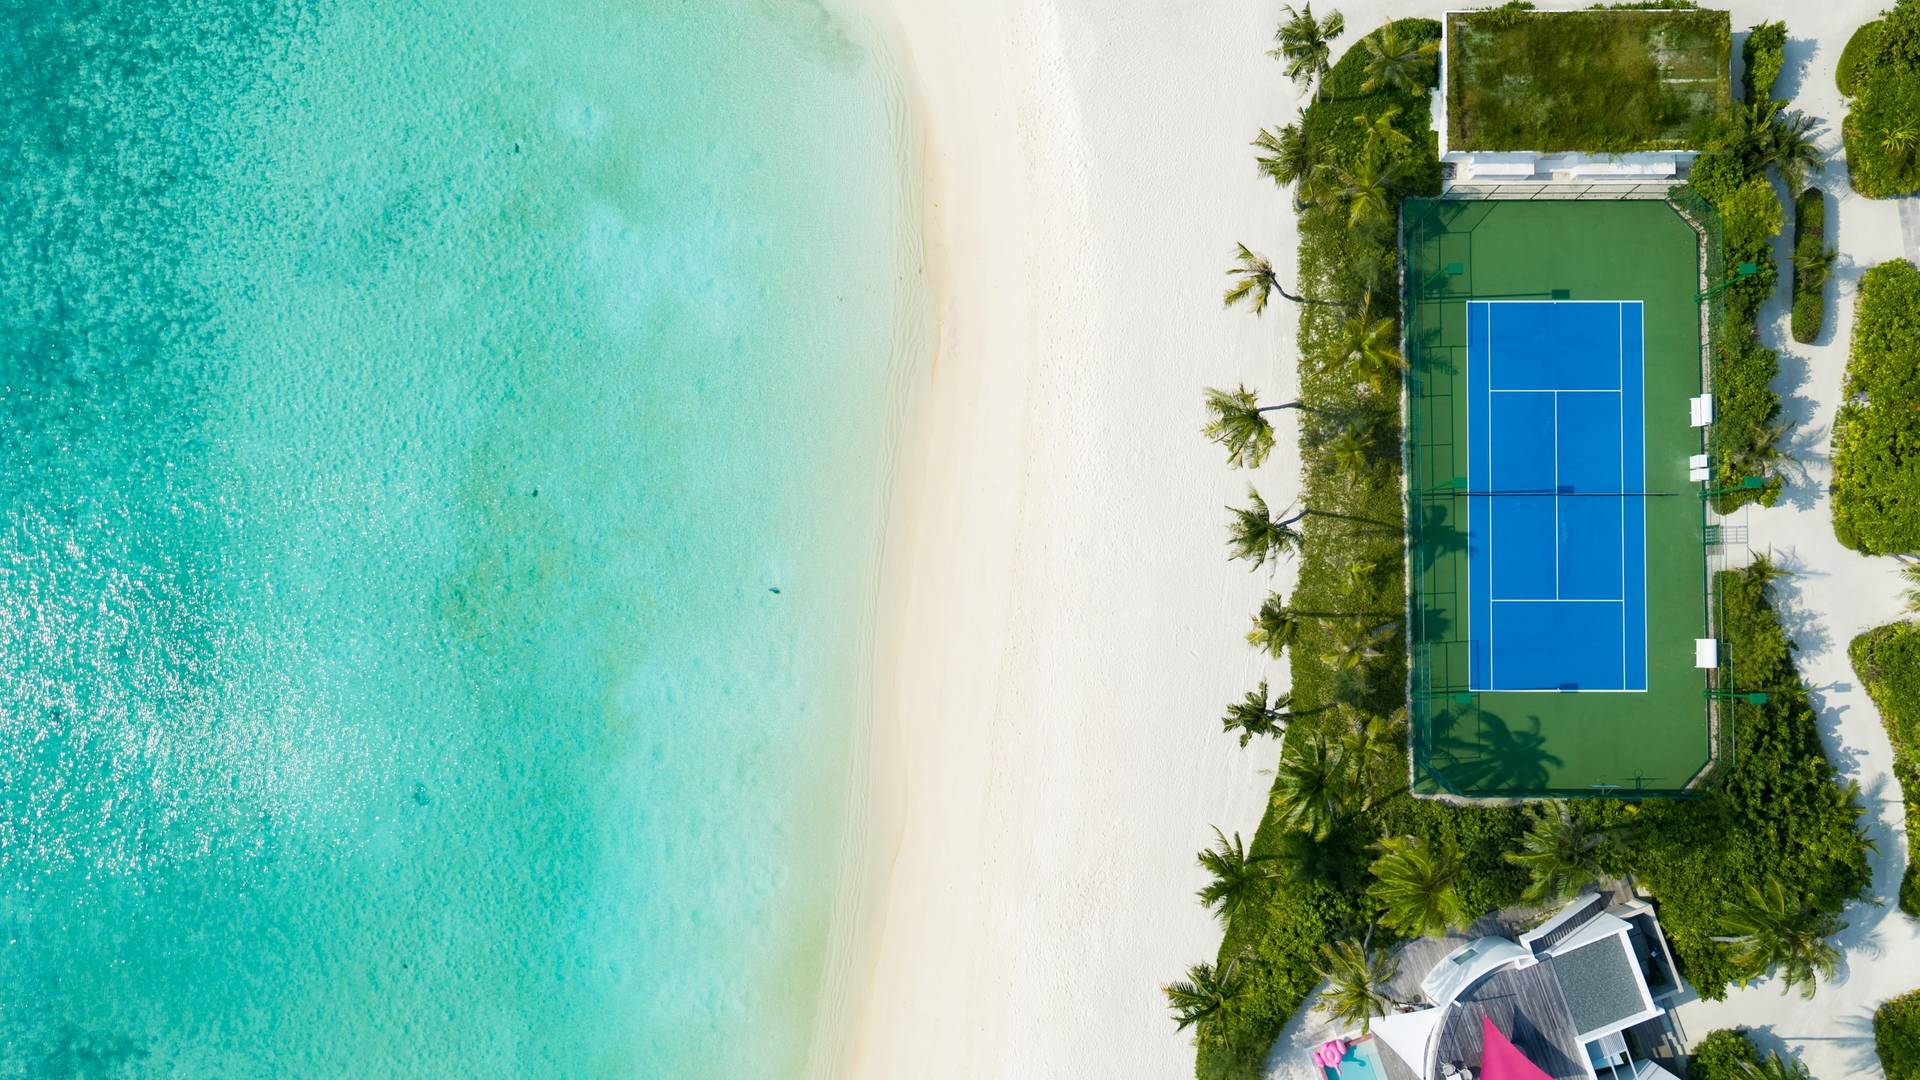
(1612,81)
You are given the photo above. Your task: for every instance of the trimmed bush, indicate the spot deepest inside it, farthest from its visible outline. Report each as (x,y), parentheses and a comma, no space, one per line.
(1725,1054)
(1851,69)
(1881,71)
(1896,1037)
(1876,441)
(1887,660)
(1764,54)
(1812,265)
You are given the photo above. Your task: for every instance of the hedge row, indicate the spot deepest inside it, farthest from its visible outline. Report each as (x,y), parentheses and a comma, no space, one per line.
(1896,1037)
(1764,54)
(1812,265)
(1887,660)
(1876,440)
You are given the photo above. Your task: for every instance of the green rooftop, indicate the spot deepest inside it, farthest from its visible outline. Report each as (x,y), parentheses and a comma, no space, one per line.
(1596,81)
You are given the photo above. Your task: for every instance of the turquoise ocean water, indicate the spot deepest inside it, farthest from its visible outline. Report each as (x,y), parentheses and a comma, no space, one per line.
(442,454)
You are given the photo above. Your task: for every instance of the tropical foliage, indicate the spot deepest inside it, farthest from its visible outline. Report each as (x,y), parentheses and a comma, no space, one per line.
(1762,57)
(1204,992)
(1357,975)
(1239,422)
(1560,854)
(1416,887)
(1887,660)
(1304,43)
(1258,714)
(1880,70)
(1235,879)
(1812,265)
(1896,1037)
(1726,1054)
(1767,932)
(1340,781)
(1876,437)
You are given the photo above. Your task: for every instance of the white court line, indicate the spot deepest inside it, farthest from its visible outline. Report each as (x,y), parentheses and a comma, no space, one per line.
(1557,600)
(1620,380)
(1556,495)
(1574,391)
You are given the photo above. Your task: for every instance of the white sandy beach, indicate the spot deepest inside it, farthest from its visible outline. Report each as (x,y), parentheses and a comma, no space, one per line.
(1061,627)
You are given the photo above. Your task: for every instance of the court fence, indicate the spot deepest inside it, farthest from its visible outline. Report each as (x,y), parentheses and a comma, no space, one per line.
(1439,685)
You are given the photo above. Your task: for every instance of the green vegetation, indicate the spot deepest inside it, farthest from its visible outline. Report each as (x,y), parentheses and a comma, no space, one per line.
(1726,1054)
(1345,853)
(1302,42)
(1731,177)
(1763,55)
(1887,660)
(1896,1037)
(1880,71)
(1812,265)
(1876,443)
(1584,80)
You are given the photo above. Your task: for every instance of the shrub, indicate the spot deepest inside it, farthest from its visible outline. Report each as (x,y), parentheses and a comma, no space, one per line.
(1746,414)
(1851,69)
(1751,216)
(1780,812)
(1725,1054)
(1887,660)
(1896,1037)
(1876,444)
(1881,71)
(1716,175)
(1812,265)
(1764,54)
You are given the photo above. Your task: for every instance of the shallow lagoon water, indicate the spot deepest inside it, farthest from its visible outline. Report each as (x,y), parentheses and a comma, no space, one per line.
(444,456)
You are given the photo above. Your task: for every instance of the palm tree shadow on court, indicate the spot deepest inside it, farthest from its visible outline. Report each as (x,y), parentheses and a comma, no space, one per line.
(1501,758)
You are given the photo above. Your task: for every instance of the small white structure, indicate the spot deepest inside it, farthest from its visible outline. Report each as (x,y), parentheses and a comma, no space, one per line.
(1700,409)
(1706,653)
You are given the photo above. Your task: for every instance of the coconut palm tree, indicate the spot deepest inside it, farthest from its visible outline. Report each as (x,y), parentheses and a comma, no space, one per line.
(1560,855)
(1356,647)
(1306,44)
(1383,139)
(1257,536)
(1368,347)
(1796,150)
(1911,571)
(1287,157)
(1770,932)
(1898,142)
(1309,792)
(1774,1067)
(1240,424)
(1274,626)
(1418,888)
(1373,748)
(1365,189)
(1748,133)
(1204,992)
(1257,714)
(1255,282)
(1357,976)
(1396,62)
(1236,876)
(1815,266)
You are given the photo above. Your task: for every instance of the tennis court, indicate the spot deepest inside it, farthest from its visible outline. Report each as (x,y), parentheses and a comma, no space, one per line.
(1557,517)
(1558,571)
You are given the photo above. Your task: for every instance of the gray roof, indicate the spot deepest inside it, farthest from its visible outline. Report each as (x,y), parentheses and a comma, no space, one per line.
(1527,1006)
(1569,920)
(1598,983)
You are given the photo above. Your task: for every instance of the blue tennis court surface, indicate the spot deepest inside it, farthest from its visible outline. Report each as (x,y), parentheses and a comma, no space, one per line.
(1556,539)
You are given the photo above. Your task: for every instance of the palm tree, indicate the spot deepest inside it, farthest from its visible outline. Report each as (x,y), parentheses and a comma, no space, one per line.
(1365,188)
(1308,789)
(1795,151)
(1204,992)
(1357,647)
(1395,62)
(1257,536)
(1257,714)
(1255,282)
(1769,933)
(1418,889)
(1305,44)
(1911,572)
(1774,1067)
(1814,266)
(1559,854)
(1274,626)
(1368,348)
(1357,976)
(1287,157)
(1382,137)
(1236,875)
(1748,133)
(1373,746)
(1240,424)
